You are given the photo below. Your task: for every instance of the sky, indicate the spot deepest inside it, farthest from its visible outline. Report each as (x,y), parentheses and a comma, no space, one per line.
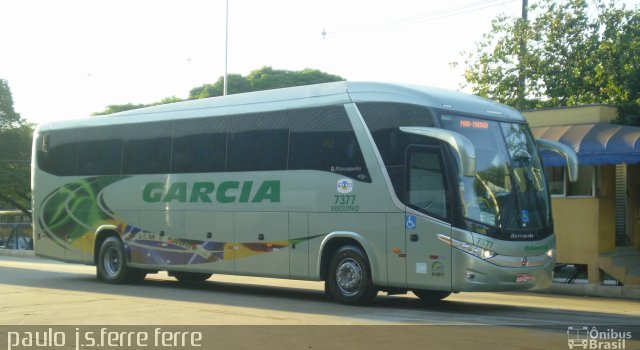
(66,59)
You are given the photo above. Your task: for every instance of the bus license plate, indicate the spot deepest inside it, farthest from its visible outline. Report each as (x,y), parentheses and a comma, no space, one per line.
(523,277)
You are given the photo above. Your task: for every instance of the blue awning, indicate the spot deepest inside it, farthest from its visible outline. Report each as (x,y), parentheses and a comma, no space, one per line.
(595,144)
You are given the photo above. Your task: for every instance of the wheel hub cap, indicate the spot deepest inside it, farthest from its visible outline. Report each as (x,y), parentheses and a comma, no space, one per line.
(349,276)
(112,262)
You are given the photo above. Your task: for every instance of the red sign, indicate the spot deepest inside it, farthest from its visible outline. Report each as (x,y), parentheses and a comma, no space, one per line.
(474,124)
(523,277)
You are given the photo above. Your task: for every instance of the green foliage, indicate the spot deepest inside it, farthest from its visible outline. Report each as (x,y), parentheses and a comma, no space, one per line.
(566,56)
(236,84)
(119,108)
(129,106)
(8,116)
(15,168)
(265,78)
(171,99)
(15,154)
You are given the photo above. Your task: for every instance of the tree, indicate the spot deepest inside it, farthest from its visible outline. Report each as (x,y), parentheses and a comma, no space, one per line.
(265,78)
(568,57)
(268,78)
(119,108)
(15,168)
(8,116)
(15,153)
(236,84)
(129,106)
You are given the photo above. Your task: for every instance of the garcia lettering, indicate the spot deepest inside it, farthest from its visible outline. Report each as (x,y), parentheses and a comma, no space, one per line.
(208,192)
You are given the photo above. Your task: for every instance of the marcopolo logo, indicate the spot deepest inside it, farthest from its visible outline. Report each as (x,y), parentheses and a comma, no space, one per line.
(207,192)
(345,186)
(583,337)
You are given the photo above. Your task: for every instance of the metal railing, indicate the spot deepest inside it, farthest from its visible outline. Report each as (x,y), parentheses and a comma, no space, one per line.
(17,236)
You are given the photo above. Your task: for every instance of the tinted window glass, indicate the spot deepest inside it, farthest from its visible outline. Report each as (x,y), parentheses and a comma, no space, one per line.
(199,146)
(100,150)
(258,142)
(383,121)
(314,139)
(147,148)
(58,152)
(323,139)
(426,187)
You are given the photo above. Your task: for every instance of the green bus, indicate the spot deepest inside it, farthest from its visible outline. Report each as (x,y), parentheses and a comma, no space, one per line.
(366,186)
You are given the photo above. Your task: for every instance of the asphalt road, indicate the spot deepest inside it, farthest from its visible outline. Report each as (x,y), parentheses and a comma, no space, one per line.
(277,313)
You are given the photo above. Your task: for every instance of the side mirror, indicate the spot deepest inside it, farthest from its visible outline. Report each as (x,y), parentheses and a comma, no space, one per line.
(460,144)
(566,152)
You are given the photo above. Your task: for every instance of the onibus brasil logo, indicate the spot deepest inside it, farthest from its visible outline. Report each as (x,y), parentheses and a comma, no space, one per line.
(583,337)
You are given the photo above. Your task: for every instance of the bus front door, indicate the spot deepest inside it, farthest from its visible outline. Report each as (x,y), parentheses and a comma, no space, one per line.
(427,215)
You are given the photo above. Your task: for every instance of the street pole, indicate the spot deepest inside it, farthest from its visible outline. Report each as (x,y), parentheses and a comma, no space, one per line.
(226,48)
(522,87)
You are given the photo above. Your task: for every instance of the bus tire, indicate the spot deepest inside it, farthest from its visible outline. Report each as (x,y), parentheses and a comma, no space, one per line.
(349,277)
(188,277)
(431,296)
(112,264)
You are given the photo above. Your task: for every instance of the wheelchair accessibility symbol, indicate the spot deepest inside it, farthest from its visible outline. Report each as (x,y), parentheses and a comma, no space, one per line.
(411,222)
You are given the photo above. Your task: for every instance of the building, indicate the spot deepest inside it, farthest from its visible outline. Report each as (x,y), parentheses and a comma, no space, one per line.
(597,218)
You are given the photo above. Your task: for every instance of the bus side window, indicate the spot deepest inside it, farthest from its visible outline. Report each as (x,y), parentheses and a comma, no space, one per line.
(60,157)
(323,139)
(100,151)
(199,145)
(383,120)
(258,142)
(426,185)
(147,148)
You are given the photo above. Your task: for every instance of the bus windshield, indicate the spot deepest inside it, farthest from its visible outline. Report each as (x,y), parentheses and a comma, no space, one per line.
(508,191)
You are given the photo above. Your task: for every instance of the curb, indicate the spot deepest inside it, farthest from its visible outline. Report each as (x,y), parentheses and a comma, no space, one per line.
(592,290)
(16,252)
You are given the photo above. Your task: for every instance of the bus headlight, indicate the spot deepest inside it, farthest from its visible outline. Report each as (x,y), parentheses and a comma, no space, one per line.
(487,254)
(482,253)
(551,253)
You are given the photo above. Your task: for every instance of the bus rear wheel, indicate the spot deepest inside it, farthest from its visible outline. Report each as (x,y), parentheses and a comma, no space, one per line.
(112,264)
(349,278)
(431,296)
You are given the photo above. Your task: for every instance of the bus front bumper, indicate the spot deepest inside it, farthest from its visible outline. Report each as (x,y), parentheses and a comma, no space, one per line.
(473,274)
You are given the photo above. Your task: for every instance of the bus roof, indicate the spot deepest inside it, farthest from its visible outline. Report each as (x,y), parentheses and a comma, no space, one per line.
(301,97)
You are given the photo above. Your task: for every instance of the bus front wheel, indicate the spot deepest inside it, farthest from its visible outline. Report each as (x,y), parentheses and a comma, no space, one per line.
(349,277)
(112,264)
